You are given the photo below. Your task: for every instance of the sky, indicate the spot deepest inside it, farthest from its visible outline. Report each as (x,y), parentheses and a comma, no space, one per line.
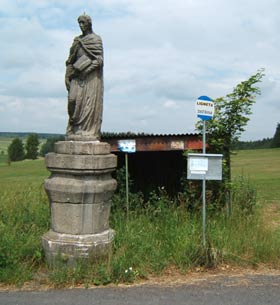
(159,57)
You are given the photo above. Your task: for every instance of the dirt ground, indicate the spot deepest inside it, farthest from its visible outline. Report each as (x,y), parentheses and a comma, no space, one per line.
(171,277)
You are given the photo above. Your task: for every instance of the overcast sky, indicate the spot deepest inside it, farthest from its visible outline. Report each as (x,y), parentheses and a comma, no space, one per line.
(160,56)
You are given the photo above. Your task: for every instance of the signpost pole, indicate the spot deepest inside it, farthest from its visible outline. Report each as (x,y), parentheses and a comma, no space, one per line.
(127,146)
(204,192)
(204,138)
(205,111)
(126,183)
(204,211)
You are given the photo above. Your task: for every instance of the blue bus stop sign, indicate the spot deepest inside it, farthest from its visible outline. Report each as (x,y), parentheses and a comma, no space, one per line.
(204,108)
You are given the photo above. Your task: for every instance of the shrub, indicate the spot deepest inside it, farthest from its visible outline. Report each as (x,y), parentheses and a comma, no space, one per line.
(16,150)
(244,194)
(31,146)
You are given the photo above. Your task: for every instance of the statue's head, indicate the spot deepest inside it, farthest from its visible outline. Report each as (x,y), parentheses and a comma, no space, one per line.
(86,22)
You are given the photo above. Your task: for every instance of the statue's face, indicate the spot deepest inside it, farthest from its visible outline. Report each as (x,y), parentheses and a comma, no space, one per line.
(84,25)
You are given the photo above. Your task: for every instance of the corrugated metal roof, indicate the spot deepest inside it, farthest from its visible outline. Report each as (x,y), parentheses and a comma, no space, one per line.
(129,135)
(156,142)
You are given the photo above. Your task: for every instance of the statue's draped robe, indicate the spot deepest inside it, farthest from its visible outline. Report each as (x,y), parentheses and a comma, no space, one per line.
(85,98)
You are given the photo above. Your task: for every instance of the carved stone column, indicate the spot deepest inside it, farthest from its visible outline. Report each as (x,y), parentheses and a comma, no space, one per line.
(79,189)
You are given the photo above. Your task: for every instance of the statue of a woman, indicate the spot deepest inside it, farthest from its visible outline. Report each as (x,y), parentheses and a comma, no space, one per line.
(84,82)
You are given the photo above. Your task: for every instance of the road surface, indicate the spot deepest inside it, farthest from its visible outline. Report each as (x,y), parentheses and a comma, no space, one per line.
(223,290)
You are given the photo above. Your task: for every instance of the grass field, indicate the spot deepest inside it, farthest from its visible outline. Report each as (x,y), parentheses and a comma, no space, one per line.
(262,167)
(4,143)
(3,158)
(25,172)
(151,240)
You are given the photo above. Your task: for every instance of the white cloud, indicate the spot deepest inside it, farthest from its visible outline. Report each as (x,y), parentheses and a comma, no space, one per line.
(159,55)
(170,104)
(32,114)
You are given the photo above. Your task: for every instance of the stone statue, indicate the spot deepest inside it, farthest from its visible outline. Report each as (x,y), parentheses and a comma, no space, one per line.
(80,187)
(84,82)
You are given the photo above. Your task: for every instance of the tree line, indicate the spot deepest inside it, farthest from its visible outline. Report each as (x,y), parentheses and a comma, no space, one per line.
(18,151)
(273,142)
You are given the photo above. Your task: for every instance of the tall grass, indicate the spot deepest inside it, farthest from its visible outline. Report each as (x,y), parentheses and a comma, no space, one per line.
(24,217)
(244,240)
(158,234)
(150,242)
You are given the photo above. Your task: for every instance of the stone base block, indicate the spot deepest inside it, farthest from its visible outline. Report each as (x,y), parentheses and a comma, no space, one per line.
(80,189)
(80,163)
(82,138)
(82,148)
(80,218)
(68,248)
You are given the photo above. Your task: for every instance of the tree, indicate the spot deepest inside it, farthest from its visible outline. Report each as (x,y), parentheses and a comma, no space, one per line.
(16,150)
(276,139)
(230,119)
(49,145)
(31,146)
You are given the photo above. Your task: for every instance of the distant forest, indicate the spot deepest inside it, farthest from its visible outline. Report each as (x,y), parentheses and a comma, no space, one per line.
(240,145)
(23,135)
(264,143)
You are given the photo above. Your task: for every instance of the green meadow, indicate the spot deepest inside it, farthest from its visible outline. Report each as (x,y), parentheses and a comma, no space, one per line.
(4,143)
(164,235)
(262,168)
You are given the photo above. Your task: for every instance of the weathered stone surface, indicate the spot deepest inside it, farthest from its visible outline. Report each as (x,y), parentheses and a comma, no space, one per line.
(81,189)
(80,162)
(80,218)
(69,248)
(82,138)
(82,148)
(84,83)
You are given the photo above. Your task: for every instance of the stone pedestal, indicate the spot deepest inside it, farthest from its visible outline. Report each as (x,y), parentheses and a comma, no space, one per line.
(79,189)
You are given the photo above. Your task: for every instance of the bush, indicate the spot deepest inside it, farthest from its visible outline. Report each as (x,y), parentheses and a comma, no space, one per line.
(49,145)
(244,195)
(16,150)
(31,146)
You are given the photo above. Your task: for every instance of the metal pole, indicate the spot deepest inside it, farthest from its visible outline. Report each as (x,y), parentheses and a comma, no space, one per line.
(204,212)
(204,138)
(204,192)
(126,182)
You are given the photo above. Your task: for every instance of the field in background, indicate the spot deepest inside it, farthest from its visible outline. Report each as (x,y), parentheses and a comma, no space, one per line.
(6,141)
(25,172)
(262,167)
